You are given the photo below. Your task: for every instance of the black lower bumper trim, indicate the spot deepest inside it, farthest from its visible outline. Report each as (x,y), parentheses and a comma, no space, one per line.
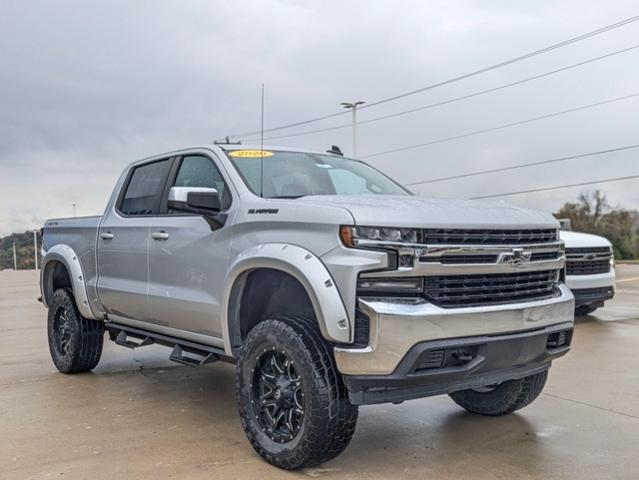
(594,297)
(444,366)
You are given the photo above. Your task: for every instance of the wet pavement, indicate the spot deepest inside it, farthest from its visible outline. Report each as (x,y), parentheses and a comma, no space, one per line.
(140,416)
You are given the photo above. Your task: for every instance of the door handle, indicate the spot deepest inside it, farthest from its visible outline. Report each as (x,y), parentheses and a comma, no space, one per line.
(159,236)
(106,236)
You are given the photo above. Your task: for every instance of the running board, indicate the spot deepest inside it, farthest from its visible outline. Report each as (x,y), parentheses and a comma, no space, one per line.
(182,351)
(122,339)
(193,358)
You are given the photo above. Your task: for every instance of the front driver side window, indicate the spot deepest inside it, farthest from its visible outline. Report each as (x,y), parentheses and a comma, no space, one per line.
(144,191)
(199,171)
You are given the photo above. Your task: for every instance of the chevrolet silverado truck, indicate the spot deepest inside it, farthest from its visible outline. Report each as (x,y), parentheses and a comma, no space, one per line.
(325,282)
(590,272)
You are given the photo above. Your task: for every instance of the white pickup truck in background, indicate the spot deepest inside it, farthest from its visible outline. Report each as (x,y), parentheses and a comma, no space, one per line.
(590,272)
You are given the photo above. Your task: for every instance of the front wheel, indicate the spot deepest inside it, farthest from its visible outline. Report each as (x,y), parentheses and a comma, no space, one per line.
(504,398)
(291,398)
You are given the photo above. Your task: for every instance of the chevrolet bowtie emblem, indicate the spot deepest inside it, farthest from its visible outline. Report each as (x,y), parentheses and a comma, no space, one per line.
(517,258)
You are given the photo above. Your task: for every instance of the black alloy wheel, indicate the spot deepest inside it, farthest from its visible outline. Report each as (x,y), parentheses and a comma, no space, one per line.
(280,400)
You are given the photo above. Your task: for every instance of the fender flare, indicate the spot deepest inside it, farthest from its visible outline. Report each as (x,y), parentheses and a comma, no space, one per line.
(304,266)
(67,257)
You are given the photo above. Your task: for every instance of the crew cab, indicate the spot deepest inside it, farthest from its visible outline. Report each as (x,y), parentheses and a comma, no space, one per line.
(327,283)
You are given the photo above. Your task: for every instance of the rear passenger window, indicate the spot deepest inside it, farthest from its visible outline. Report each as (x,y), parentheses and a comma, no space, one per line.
(143,194)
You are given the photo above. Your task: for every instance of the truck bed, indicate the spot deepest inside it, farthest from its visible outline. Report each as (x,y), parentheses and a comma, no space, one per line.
(79,233)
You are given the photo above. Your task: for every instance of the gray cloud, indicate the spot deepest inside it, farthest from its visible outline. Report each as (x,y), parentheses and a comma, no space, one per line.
(87,87)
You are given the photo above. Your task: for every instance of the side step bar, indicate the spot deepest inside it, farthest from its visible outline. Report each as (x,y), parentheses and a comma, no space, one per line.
(122,339)
(195,359)
(183,351)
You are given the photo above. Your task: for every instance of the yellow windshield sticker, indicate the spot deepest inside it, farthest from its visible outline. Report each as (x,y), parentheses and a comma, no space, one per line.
(250,153)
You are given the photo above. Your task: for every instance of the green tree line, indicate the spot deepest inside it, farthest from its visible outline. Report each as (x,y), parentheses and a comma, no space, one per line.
(592,213)
(24,250)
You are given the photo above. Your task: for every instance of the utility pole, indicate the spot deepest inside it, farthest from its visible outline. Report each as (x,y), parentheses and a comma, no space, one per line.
(35,248)
(73,209)
(15,257)
(353,107)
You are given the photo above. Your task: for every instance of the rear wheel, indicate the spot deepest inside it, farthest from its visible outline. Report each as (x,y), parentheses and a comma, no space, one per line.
(582,310)
(501,399)
(75,342)
(292,402)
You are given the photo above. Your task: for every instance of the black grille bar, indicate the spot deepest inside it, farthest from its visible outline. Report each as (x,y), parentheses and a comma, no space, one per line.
(588,260)
(442,236)
(585,250)
(460,259)
(490,289)
(586,267)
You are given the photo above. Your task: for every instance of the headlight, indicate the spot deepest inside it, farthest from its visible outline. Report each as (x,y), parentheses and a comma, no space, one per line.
(386,286)
(351,236)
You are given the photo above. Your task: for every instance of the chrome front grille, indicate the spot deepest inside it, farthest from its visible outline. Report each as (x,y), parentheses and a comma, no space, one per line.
(442,236)
(454,259)
(473,267)
(450,291)
(588,260)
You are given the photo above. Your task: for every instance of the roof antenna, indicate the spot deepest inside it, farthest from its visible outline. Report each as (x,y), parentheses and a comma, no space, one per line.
(335,150)
(262,146)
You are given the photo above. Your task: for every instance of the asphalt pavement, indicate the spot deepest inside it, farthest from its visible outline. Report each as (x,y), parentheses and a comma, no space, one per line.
(140,416)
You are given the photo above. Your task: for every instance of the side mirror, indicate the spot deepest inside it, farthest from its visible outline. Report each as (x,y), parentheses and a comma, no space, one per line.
(200,201)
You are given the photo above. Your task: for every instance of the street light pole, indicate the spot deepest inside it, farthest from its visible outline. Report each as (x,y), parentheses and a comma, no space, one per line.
(15,257)
(353,106)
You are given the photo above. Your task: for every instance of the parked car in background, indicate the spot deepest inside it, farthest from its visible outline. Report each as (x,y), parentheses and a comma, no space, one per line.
(590,272)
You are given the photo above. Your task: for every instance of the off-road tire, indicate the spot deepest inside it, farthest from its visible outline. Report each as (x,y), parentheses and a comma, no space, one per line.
(582,310)
(504,398)
(329,419)
(83,338)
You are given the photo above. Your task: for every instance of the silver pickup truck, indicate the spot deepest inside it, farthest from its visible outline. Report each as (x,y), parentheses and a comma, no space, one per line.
(328,284)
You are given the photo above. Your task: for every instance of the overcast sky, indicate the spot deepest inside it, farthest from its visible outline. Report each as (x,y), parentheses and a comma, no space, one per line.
(86,87)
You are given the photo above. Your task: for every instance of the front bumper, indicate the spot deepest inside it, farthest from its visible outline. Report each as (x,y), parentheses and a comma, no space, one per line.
(578,282)
(592,290)
(396,325)
(444,366)
(593,297)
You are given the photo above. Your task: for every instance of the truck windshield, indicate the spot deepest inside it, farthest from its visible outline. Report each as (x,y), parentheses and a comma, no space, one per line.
(296,174)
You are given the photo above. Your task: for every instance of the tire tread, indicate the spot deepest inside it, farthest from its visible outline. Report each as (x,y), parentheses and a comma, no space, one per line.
(332,425)
(89,342)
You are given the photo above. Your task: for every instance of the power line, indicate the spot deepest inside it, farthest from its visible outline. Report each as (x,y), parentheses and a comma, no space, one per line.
(289,125)
(454,79)
(455,99)
(310,132)
(556,187)
(500,127)
(524,165)
(508,62)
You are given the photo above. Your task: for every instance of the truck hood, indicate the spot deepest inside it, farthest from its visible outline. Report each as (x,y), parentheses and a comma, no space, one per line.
(422,212)
(577,239)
